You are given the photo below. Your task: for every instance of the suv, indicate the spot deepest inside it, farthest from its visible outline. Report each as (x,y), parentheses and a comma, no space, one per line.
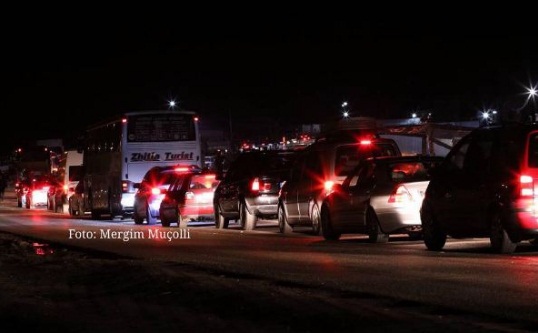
(150,191)
(250,187)
(321,165)
(485,188)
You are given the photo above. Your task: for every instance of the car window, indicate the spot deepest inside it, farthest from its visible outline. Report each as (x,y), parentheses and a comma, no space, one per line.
(203,182)
(408,171)
(456,157)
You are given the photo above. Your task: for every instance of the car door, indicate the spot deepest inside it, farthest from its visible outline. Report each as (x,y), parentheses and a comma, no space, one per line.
(309,185)
(289,190)
(348,208)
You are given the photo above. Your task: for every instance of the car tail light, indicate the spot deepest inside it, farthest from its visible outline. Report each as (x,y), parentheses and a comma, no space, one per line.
(366,142)
(124,186)
(328,185)
(66,189)
(259,185)
(401,194)
(155,191)
(527,186)
(255,186)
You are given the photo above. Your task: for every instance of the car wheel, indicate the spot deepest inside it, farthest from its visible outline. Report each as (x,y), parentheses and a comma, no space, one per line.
(375,234)
(434,237)
(149,218)
(327,230)
(283,225)
(316,220)
(165,223)
(221,222)
(246,219)
(499,239)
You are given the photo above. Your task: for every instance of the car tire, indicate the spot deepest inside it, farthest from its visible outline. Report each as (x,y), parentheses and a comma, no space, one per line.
(150,219)
(499,239)
(327,230)
(316,220)
(246,218)
(434,237)
(221,222)
(375,234)
(283,225)
(165,223)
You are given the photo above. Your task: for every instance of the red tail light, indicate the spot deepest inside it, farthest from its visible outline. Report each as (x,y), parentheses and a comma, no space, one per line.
(255,186)
(328,185)
(527,186)
(366,142)
(401,194)
(259,185)
(155,191)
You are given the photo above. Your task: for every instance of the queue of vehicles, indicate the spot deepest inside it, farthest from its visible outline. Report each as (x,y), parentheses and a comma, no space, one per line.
(346,182)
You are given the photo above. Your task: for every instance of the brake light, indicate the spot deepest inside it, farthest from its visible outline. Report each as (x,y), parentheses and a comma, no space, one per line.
(366,142)
(328,185)
(66,188)
(255,186)
(400,195)
(181,169)
(527,186)
(155,191)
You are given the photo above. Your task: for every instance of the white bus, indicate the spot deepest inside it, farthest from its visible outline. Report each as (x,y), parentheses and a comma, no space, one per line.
(117,154)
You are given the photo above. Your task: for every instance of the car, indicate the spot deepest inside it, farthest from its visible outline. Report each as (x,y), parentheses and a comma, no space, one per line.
(150,191)
(189,198)
(485,188)
(379,197)
(318,167)
(249,189)
(36,191)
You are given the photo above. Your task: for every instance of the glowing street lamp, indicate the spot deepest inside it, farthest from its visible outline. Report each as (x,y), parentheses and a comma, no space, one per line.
(172,104)
(345,112)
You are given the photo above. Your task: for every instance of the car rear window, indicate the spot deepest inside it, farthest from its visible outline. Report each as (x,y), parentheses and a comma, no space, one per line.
(349,156)
(408,171)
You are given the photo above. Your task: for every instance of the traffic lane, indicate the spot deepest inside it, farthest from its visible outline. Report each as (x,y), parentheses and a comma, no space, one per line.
(466,275)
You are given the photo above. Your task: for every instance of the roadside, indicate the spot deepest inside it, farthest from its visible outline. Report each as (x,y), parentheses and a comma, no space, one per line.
(53,287)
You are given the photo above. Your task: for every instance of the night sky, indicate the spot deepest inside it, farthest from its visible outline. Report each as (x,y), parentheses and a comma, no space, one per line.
(63,72)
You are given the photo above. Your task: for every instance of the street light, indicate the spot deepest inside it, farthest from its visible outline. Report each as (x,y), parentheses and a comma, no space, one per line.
(345,112)
(172,104)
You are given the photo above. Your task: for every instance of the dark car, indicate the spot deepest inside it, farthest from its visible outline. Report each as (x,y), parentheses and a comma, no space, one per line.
(250,187)
(485,188)
(150,191)
(189,198)
(318,167)
(34,192)
(381,196)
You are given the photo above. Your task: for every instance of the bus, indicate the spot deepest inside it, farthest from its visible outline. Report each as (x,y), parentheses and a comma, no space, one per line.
(118,152)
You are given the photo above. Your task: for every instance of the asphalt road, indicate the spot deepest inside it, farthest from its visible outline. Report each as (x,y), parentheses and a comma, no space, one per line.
(203,279)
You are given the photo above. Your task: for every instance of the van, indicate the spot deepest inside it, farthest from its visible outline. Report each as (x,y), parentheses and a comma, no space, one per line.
(70,173)
(321,165)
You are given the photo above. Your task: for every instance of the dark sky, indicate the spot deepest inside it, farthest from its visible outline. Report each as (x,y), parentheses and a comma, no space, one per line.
(62,72)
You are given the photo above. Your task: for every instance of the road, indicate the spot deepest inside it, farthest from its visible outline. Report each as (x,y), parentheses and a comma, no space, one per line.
(465,281)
